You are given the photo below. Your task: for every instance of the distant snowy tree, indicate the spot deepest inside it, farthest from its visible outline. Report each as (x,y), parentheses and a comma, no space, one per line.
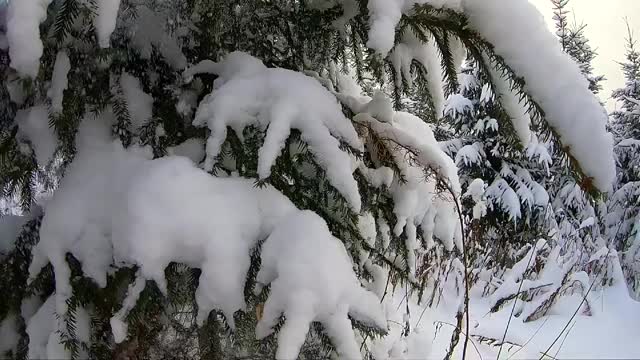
(489,124)
(247,178)
(624,203)
(575,43)
(577,215)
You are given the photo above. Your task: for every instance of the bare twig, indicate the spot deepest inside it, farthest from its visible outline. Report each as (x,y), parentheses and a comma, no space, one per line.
(466,335)
(584,298)
(504,336)
(466,268)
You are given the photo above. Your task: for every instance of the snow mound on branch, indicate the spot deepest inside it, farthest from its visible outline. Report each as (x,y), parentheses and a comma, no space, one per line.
(33,124)
(279,100)
(148,32)
(59,81)
(457,104)
(428,55)
(514,107)
(23,34)
(139,103)
(105,20)
(501,194)
(116,207)
(219,210)
(416,202)
(553,80)
(298,245)
(414,137)
(10,228)
(191,148)
(384,16)
(45,341)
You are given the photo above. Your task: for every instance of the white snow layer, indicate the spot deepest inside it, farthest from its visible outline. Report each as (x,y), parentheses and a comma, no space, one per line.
(59,81)
(415,200)
(10,228)
(33,124)
(105,20)
(149,32)
(44,339)
(428,55)
(552,78)
(115,206)
(139,103)
(9,334)
(514,108)
(23,34)
(300,242)
(384,16)
(278,100)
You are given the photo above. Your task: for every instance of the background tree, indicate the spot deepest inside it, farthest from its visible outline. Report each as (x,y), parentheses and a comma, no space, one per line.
(623,204)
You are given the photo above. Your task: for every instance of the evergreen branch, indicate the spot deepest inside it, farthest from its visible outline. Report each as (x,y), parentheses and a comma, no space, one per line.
(65,17)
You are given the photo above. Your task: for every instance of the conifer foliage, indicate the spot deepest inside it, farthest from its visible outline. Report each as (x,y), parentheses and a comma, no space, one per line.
(623,204)
(247,178)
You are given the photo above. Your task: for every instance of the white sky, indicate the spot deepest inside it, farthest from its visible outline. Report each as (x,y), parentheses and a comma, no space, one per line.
(606,31)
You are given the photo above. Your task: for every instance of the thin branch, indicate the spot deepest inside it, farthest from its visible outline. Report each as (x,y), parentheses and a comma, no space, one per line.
(504,336)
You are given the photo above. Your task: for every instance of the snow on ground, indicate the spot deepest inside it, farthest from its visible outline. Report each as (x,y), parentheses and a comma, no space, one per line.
(612,332)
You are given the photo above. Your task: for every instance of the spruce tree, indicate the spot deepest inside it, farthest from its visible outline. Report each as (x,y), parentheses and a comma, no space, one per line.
(575,43)
(238,178)
(578,216)
(623,204)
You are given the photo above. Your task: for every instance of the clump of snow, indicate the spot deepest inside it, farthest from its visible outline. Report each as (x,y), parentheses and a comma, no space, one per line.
(8,334)
(59,81)
(191,148)
(553,79)
(457,104)
(475,190)
(382,176)
(428,55)
(148,32)
(295,249)
(414,198)
(187,103)
(279,100)
(414,134)
(45,341)
(105,20)
(470,154)
(10,227)
(367,228)
(118,325)
(39,329)
(501,194)
(514,107)
(130,210)
(139,103)
(384,16)
(33,125)
(514,276)
(23,34)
